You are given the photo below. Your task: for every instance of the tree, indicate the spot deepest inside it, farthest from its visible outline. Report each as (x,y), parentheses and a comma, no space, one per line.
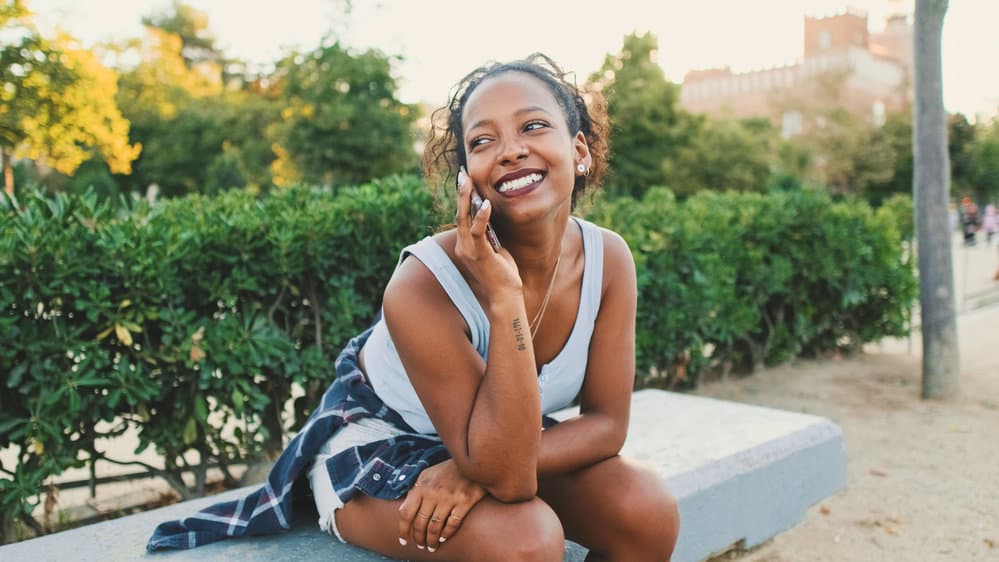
(941,361)
(961,136)
(724,155)
(167,104)
(984,154)
(844,152)
(893,142)
(29,69)
(57,104)
(191,26)
(649,128)
(341,122)
(199,47)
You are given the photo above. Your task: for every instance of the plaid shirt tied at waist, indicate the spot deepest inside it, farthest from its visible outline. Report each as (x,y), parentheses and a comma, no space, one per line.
(383,469)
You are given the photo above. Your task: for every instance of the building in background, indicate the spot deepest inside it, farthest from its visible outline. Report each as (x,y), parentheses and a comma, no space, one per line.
(869,74)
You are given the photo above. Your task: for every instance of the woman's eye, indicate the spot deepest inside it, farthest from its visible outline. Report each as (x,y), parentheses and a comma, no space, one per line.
(535,125)
(476,142)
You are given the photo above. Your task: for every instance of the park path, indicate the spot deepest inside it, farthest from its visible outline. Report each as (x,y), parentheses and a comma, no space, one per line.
(923,482)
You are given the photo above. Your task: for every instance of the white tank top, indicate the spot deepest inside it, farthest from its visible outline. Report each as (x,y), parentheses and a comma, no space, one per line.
(559,380)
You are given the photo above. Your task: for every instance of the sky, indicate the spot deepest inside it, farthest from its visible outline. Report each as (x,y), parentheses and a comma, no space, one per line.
(441,40)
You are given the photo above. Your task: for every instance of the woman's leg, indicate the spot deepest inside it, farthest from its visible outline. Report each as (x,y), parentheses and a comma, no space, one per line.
(492,531)
(618,508)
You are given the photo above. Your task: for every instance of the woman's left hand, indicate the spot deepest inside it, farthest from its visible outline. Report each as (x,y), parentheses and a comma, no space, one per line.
(437,504)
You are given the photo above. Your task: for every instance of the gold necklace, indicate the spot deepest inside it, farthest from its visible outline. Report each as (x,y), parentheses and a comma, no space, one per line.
(535,324)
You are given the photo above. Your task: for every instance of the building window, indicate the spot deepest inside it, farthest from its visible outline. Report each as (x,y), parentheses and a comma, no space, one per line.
(790,124)
(824,39)
(878,113)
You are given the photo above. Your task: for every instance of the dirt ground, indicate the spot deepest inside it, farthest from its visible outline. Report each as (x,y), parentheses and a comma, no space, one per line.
(923,476)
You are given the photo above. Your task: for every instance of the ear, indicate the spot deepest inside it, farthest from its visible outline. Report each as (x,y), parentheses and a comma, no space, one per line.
(581,151)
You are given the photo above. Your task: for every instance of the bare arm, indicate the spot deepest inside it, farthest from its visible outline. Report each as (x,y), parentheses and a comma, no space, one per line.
(599,430)
(488,415)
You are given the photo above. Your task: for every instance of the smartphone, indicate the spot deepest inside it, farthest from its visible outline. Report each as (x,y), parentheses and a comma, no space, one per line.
(476,205)
(490,233)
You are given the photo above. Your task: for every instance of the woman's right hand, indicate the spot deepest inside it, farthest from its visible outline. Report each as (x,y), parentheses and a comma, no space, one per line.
(436,505)
(493,272)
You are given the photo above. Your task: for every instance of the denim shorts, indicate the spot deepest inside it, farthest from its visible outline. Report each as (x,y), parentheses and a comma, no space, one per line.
(365,430)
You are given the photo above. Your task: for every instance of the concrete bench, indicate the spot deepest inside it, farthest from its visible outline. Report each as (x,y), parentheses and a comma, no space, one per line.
(741,474)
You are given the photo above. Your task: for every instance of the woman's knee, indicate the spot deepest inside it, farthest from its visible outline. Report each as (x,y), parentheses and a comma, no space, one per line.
(529,531)
(650,510)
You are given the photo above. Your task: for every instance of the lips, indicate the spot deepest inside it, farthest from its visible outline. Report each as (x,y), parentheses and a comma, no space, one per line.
(518,181)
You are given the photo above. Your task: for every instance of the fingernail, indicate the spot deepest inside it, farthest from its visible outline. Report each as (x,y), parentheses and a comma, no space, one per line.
(442,539)
(462,176)
(431,549)
(485,204)
(402,541)
(419,546)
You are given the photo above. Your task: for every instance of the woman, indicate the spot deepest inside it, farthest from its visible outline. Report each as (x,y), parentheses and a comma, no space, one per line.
(444,433)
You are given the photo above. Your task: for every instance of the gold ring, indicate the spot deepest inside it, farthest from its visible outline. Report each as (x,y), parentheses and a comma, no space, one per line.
(435,519)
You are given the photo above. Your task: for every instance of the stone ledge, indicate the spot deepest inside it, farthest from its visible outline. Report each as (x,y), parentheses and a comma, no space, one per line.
(741,474)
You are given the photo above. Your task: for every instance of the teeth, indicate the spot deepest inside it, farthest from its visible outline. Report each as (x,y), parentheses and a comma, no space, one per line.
(519,183)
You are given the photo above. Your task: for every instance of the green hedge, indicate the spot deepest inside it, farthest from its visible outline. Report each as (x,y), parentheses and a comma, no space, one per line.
(210,324)
(737,280)
(191,321)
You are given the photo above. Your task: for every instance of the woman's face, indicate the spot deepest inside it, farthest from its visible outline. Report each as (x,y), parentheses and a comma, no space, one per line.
(521,155)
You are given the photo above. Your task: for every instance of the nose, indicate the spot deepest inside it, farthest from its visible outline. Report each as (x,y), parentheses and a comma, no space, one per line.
(512,152)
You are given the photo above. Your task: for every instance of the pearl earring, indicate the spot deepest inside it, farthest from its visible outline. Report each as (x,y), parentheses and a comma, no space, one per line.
(581,168)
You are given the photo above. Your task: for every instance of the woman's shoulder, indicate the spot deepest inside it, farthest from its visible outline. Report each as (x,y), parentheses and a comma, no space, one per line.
(619,265)
(446,239)
(615,246)
(414,276)
(610,237)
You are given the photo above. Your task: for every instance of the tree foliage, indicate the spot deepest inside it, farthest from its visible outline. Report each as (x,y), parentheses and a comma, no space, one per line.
(326,116)
(845,152)
(888,162)
(191,26)
(974,156)
(649,128)
(341,122)
(724,155)
(985,155)
(960,140)
(168,103)
(331,116)
(57,104)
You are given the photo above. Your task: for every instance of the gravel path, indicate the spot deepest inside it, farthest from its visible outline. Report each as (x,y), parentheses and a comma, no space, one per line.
(923,476)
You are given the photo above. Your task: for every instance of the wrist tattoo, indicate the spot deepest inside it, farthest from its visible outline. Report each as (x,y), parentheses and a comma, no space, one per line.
(518,334)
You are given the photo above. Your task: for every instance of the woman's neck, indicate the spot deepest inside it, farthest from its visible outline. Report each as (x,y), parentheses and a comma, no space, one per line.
(535,247)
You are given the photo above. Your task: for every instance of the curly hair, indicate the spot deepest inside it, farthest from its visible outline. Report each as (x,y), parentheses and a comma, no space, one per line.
(445,150)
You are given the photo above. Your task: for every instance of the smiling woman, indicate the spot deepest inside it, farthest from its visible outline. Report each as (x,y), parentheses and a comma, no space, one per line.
(435,435)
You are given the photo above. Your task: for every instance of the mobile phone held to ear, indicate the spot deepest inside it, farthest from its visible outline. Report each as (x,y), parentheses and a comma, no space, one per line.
(476,205)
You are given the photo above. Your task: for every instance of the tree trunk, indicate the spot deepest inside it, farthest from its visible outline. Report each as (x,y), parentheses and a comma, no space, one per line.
(8,170)
(8,531)
(931,184)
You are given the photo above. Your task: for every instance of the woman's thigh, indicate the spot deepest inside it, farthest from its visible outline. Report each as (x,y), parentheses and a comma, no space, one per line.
(618,508)
(491,530)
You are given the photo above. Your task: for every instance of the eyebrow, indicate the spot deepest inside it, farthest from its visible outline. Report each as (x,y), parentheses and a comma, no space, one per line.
(528,109)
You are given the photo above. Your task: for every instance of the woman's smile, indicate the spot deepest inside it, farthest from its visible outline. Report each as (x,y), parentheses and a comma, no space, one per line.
(519,183)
